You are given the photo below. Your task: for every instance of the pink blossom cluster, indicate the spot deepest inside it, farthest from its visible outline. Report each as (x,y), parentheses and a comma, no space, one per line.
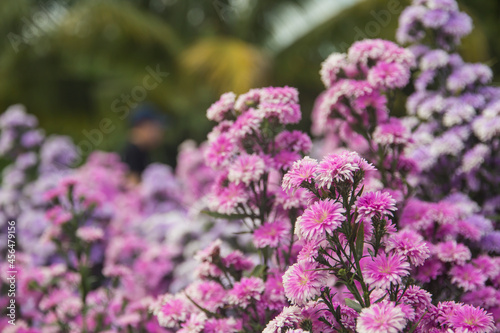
(354,110)
(355,274)
(95,252)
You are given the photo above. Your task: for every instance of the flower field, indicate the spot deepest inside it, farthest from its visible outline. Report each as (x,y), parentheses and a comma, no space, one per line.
(376,223)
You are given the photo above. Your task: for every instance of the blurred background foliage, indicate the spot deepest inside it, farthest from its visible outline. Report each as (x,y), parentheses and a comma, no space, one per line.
(71,62)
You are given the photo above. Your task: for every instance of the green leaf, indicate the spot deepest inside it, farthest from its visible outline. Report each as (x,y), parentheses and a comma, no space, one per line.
(360,239)
(353,304)
(224,216)
(258,271)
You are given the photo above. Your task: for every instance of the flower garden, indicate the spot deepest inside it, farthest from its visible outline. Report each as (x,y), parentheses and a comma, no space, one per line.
(377,223)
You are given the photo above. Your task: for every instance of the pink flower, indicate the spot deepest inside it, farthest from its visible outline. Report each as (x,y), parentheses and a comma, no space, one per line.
(220,151)
(383,317)
(224,199)
(486,297)
(279,95)
(248,100)
(90,234)
(418,298)
(237,261)
(289,317)
(270,234)
(388,75)
(375,203)
(223,325)
(340,167)
(383,270)
(309,251)
(58,215)
(246,169)
(332,67)
(319,218)
(451,251)
(219,109)
(274,295)
(487,265)
(302,282)
(194,324)
(172,310)
(392,132)
(430,270)
(248,289)
(248,123)
(467,318)
(301,171)
(285,113)
(409,244)
(208,294)
(467,277)
(296,141)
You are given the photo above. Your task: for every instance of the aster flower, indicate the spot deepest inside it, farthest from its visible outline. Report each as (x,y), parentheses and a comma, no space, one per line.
(303,282)
(296,141)
(194,324)
(279,95)
(208,294)
(172,310)
(375,203)
(417,298)
(238,261)
(332,67)
(383,270)
(340,167)
(392,132)
(301,171)
(246,169)
(434,59)
(383,317)
(90,234)
(219,109)
(224,325)
(466,318)
(486,297)
(270,234)
(224,199)
(248,100)
(409,244)
(219,151)
(246,124)
(388,75)
(289,317)
(467,277)
(451,251)
(246,290)
(318,219)
(285,113)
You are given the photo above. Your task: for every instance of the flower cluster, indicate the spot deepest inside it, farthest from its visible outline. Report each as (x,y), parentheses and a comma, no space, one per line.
(94,252)
(352,249)
(453,113)
(354,110)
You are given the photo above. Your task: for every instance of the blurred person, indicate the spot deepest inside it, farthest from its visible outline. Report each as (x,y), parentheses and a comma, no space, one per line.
(147,127)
